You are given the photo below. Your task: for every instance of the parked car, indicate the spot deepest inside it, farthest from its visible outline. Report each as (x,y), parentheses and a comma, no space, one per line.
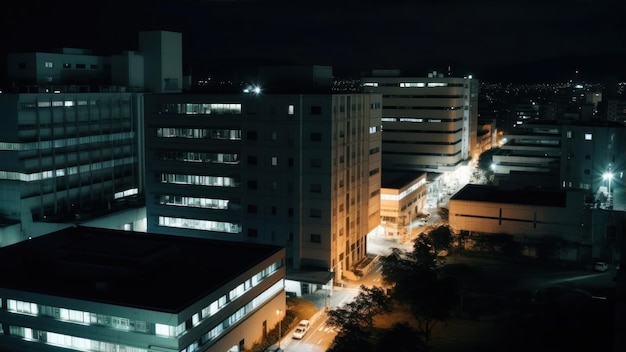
(301,329)
(600,266)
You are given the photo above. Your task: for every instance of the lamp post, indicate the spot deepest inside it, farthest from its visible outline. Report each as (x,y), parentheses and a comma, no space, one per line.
(608,176)
(280,322)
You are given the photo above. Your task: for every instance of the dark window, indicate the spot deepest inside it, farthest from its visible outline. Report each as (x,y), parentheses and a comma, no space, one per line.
(251,160)
(374,172)
(66,65)
(290,236)
(316,162)
(316,137)
(587,172)
(252,185)
(253,233)
(316,238)
(290,162)
(289,187)
(81,66)
(316,110)
(93,66)
(316,188)
(315,213)
(252,208)
(21,65)
(587,157)
(273,210)
(252,135)
(290,212)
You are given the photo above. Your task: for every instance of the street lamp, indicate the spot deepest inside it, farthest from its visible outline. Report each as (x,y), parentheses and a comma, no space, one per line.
(279,326)
(608,176)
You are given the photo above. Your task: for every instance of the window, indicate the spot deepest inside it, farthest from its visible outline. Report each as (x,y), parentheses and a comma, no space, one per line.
(291,110)
(67,65)
(252,208)
(93,66)
(253,233)
(316,188)
(290,162)
(569,134)
(316,238)
(273,210)
(252,184)
(48,64)
(81,66)
(316,110)
(290,212)
(274,136)
(588,136)
(587,172)
(316,162)
(274,161)
(315,213)
(251,135)
(251,160)
(316,137)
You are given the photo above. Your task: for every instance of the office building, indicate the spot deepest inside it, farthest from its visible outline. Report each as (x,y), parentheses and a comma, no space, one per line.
(90,289)
(296,170)
(71,137)
(429,123)
(402,199)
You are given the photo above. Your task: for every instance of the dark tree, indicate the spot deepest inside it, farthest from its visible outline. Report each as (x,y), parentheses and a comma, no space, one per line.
(444,213)
(402,337)
(441,237)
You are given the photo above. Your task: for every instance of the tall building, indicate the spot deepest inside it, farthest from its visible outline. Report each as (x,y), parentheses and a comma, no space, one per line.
(296,170)
(71,136)
(112,290)
(429,123)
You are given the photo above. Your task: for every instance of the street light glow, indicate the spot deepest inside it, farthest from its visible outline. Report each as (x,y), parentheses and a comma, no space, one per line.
(607,176)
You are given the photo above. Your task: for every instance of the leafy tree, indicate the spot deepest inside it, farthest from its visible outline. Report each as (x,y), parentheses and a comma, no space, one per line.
(395,266)
(441,237)
(444,213)
(402,337)
(371,302)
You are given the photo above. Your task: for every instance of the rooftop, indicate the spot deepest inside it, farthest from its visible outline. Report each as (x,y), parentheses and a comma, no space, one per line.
(147,271)
(397,179)
(527,196)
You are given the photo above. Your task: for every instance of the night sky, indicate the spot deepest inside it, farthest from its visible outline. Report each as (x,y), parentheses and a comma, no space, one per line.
(488,37)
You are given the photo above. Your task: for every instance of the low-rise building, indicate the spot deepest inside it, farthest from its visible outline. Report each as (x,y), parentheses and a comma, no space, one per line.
(93,289)
(402,199)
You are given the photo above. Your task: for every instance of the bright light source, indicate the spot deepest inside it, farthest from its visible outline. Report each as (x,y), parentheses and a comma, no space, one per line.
(257,90)
(607,176)
(493,166)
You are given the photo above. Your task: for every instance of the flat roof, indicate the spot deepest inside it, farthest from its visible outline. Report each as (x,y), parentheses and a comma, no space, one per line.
(531,196)
(143,270)
(398,179)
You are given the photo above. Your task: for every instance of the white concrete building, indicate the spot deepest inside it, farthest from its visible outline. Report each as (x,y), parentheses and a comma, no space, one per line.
(429,123)
(296,170)
(111,290)
(402,199)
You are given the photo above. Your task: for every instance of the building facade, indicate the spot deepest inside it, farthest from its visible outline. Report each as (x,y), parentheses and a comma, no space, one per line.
(71,136)
(110,290)
(402,199)
(429,123)
(296,170)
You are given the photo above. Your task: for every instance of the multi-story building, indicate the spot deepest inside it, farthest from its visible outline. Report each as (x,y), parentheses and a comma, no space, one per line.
(581,153)
(113,290)
(402,199)
(429,123)
(70,137)
(296,170)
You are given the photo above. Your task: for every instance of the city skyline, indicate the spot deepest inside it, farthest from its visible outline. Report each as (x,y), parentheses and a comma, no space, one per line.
(510,41)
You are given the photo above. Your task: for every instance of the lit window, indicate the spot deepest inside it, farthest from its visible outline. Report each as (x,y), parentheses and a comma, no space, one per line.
(569,134)
(291,110)
(48,64)
(588,136)
(274,161)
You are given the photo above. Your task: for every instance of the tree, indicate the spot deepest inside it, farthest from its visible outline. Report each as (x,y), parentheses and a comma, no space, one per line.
(403,339)
(441,237)
(444,213)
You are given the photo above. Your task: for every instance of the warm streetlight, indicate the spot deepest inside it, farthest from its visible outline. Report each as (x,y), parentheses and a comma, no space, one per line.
(279,326)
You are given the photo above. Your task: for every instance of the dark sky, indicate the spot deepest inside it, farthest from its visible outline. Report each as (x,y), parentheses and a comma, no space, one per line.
(479,35)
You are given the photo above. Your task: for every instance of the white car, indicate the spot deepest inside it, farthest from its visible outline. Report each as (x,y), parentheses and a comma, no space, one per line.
(600,266)
(301,329)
